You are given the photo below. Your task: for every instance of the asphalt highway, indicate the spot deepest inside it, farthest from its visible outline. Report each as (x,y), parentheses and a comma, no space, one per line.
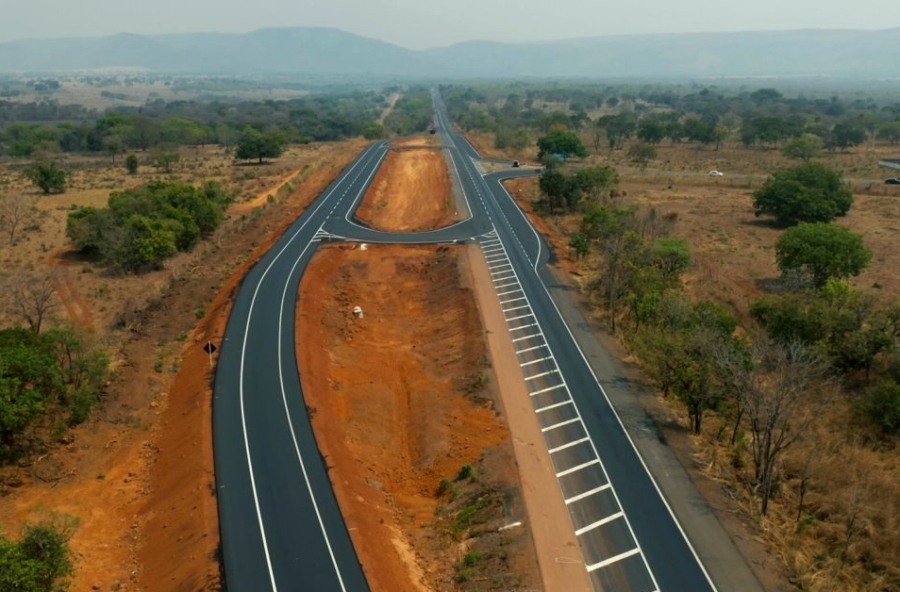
(281,526)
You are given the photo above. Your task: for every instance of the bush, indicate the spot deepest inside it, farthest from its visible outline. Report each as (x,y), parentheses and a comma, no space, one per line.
(142,227)
(882,406)
(809,192)
(41,561)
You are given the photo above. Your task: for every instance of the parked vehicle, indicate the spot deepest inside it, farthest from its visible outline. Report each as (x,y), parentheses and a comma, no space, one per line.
(892,181)
(715,173)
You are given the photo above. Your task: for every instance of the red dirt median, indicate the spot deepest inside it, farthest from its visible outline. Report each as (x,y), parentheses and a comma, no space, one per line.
(402,402)
(410,193)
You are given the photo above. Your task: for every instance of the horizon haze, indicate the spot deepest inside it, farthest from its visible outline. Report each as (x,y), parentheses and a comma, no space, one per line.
(417,25)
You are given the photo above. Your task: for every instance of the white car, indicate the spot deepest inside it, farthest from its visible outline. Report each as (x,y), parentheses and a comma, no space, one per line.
(715,173)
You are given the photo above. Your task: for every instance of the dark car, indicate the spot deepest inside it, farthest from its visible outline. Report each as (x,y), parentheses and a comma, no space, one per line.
(515,163)
(892,181)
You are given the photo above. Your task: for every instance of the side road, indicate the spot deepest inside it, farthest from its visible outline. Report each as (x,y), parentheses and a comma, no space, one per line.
(717,551)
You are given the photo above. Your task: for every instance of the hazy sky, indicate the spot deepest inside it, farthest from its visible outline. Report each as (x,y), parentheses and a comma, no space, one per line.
(419,24)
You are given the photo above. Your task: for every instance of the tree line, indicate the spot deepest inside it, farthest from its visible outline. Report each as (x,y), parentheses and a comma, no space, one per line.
(611,115)
(25,132)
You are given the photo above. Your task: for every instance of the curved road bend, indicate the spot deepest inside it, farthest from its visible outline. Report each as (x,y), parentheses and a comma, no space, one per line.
(280,523)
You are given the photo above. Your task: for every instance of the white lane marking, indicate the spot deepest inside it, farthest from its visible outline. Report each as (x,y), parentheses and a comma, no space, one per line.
(549,388)
(508,292)
(599,523)
(581,496)
(505,277)
(509,265)
(616,559)
(511,329)
(538,361)
(528,349)
(569,445)
(553,406)
(511,300)
(575,469)
(524,316)
(507,284)
(515,308)
(559,425)
(527,336)
(262,528)
(548,372)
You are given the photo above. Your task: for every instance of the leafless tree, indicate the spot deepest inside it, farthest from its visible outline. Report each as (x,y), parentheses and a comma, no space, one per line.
(31,297)
(15,211)
(785,386)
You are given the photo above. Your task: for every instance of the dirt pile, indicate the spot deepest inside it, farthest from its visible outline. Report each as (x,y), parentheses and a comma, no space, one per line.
(401,401)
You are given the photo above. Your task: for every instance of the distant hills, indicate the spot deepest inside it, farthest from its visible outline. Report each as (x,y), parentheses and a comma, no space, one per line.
(321,51)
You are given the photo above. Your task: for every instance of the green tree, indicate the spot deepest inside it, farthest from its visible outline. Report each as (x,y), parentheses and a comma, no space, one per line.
(41,561)
(618,128)
(561,141)
(822,251)
(49,177)
(254,144)
(809,192)
(595,183)
(882,405)
(806,147)
(131,164)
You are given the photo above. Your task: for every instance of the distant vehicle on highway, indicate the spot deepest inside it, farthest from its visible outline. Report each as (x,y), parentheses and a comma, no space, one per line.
(892,181)
(715,173)
(515,164)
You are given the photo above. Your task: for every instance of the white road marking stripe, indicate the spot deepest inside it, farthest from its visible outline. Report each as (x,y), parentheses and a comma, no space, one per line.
(511,292)
(535,361)
(531,314)
(569,445)
(506,285)
(615,559)
(522,327)
(549,388)
(561,424)
(554,371)
(511,273)
(553,406)
(516,308)
(528,349)
(598,523)
(578,468)
(511,300)
(581,496)
(527,336)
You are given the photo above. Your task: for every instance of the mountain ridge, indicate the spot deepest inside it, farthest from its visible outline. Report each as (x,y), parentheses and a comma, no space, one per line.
(328,51)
